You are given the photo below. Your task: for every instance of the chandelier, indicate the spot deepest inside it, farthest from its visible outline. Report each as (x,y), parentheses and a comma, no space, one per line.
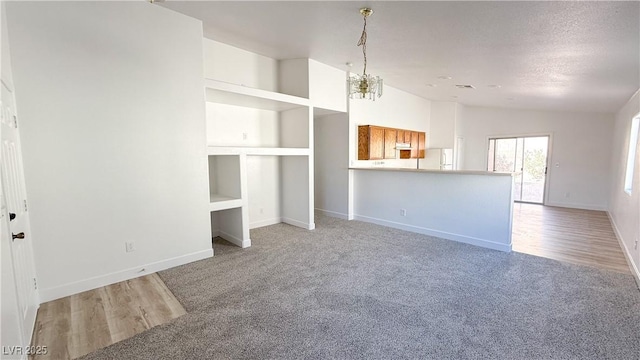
(364,86)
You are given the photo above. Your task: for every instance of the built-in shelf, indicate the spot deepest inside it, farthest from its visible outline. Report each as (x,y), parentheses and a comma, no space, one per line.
(277,151)
(221,202)
(233,165)
(232,94)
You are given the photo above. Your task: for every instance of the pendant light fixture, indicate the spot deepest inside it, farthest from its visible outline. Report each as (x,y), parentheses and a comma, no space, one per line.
(364,86)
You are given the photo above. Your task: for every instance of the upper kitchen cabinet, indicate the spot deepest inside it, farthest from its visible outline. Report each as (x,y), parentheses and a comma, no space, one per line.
(371,145)
(418,143)
(414,144)
(390,140)
(323,85)
(422,144)
(377,143)
(407,137)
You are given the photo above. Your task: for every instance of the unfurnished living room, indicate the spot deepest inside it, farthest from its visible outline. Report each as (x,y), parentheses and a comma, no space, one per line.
(320,179)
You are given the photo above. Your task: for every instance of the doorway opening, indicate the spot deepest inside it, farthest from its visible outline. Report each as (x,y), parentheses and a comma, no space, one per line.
(527,157)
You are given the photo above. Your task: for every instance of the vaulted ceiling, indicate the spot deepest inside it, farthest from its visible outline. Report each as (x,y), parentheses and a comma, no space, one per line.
(575,56)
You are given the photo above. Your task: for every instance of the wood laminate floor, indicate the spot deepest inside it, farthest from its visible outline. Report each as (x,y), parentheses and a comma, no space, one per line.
(79,324)
(582,237)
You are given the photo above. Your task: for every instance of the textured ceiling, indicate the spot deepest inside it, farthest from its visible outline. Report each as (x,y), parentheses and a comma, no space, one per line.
(575,56)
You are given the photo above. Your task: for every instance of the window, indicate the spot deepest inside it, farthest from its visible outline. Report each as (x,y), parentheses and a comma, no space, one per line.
(631,155)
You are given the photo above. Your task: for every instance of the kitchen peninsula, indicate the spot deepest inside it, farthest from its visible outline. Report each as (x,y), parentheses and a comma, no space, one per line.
(474,207)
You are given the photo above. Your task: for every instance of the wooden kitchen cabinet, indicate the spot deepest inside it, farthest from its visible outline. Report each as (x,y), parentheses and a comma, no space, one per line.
(422,144)
(377,143)
(390,138)
(370,142)
(414,144)
(407,136)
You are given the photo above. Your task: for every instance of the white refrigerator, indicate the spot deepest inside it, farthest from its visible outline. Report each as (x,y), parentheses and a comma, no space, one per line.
(439,159)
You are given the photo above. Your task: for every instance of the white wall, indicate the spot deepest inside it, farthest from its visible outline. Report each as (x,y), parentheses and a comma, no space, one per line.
(470,208)
(293,77)
(229,125)
(331,165)
(113,135)
(230,64)
(324,85)
(264,190)
(581,147)
(395,109)
(327,87)
(442,127)
(624,209)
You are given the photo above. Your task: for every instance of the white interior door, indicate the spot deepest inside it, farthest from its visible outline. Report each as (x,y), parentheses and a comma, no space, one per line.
(16,229)
(11,333)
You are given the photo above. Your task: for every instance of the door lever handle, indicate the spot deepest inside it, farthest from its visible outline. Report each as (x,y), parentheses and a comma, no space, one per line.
(19,235)
(12,216)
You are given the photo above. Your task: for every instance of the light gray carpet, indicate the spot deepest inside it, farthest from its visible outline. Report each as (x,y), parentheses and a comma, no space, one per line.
(352,290)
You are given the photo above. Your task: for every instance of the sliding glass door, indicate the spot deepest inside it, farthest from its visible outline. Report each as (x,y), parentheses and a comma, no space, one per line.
(527,157)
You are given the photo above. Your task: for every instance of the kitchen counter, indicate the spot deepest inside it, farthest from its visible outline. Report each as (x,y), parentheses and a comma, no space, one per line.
(474,207)
(436,171)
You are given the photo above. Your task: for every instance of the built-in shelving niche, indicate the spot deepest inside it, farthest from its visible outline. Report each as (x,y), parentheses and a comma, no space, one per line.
(260,162)
(224,182)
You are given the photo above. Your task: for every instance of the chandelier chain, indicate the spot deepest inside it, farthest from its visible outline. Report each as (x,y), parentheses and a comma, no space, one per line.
(364,86)
(363,42)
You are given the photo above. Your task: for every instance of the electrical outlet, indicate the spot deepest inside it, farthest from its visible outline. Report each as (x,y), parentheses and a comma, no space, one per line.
(261,211)
(403,212)
(635,246)
(567,194)
(129,246)
(244,136)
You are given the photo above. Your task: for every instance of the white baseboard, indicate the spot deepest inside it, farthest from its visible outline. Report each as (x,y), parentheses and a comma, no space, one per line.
(627,254)
(261,223)
(577,206)
(289,221)
(304,225)
(235,240)
(112,278)
(441,234)
(332,214)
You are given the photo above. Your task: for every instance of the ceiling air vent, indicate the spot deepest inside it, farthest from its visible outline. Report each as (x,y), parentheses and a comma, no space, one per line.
(465,86)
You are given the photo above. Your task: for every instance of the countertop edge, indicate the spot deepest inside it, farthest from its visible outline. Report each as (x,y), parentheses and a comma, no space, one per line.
(434,171)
